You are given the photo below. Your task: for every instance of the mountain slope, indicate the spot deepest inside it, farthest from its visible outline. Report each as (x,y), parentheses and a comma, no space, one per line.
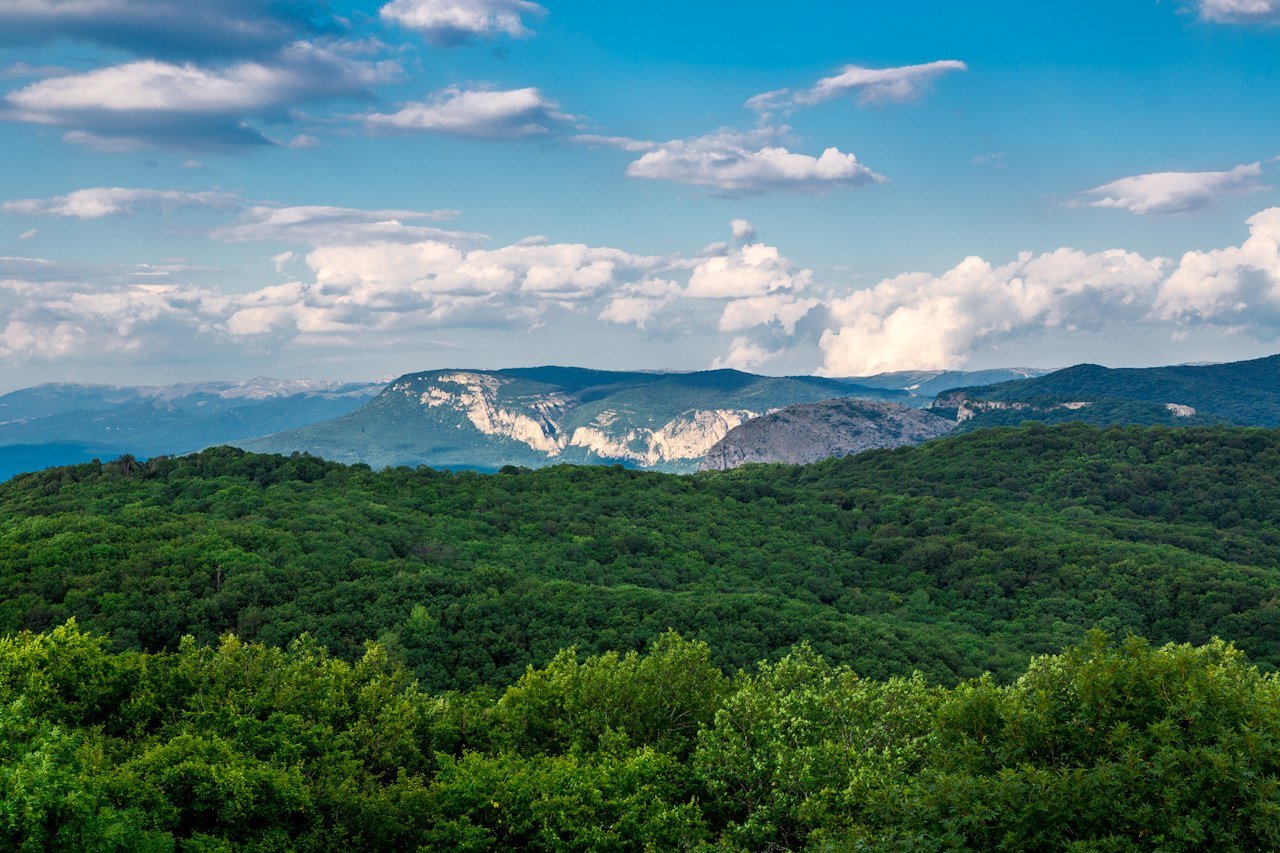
(927,383)
(1244,393)
(540,416)
(810,432)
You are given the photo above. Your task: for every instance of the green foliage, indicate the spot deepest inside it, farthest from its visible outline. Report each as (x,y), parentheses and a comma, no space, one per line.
(242,746)
(1242,392)
(958,557)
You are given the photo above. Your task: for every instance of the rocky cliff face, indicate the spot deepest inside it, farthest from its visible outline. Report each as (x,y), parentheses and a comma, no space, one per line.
(813,431)
(486,419)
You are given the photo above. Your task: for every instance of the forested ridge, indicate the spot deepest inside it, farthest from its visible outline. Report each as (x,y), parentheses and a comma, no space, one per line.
(890,651)
(958,557)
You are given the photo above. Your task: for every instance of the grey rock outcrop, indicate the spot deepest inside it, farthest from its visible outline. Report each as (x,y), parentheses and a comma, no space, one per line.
(809,432)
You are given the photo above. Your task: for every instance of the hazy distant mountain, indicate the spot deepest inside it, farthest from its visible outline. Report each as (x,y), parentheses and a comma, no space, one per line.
(546,415)
(929,383)
(59,424)
(1243,393)
(808,432)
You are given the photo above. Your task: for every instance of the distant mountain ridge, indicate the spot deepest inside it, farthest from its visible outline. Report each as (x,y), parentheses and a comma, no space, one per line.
(547,415)
(1243,393)
(810,432)
(60,424)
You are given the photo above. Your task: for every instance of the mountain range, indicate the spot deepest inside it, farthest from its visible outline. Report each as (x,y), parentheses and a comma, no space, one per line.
(540,416)
(667,421)
(61,424)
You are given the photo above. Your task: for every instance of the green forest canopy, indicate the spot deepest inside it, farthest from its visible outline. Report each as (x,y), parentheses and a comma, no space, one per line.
(958,557)
(1108,746)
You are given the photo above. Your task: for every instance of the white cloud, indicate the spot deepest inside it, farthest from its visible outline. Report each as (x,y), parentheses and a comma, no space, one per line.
(149,102)
(28,234)
(1238,286)
(1240,11)
(638,304)
(743,230)
(782,308)
(623,143)
(97,202)
(485,113)
(1175,192)
(922,321)
(318,225)
(870,86)
(743,355)
(454,21)
(732,162)
(751,270)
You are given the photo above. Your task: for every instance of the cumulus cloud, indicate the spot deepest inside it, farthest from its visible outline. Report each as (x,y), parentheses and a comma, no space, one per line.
(636,305)
(1175,192)
(869,86)
(735,163)
(1238,286)
(52,311)
(487,113)
(451,22)
(150,102)
(97,202)
(932,322)
(751,270)
(163,28)
(1240,11)
(743,355)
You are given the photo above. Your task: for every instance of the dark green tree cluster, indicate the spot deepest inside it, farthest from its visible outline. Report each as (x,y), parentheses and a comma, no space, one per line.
(955,558)
(1108,746)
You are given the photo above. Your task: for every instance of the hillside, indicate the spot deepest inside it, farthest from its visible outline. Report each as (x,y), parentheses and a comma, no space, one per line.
(542,416)
(958,556)
(811,432)
(1243,393)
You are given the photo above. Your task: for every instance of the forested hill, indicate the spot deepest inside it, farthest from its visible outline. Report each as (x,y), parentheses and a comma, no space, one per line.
(956,557)
(1245,393)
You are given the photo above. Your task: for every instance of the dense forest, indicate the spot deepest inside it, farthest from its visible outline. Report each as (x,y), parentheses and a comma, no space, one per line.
(955,558)
(1109,746)
(927,648)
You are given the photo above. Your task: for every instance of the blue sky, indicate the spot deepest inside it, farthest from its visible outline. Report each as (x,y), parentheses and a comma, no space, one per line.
(361,189)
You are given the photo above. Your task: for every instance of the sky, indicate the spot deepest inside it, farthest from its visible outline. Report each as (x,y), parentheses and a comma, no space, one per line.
(353,190)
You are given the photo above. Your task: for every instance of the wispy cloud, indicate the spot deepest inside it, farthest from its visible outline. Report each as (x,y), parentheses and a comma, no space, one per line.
(97,202)
(484,112)
(1175,192)
(319,225)
(868,86)
(1240,11)
(449,22)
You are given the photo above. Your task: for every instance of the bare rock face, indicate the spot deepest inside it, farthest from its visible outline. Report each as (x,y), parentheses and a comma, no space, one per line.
(809,432)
